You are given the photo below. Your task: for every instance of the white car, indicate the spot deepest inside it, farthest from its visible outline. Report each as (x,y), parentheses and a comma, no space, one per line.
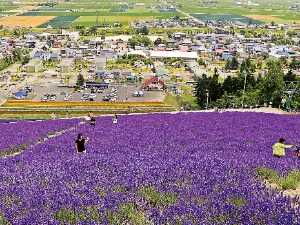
(93,96)
(67,97)
(135,94)
(141,93)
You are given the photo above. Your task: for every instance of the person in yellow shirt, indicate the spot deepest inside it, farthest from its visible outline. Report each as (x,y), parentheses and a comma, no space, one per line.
(279,148)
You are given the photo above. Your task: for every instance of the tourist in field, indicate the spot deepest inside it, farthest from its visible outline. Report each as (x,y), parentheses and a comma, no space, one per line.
(279,148)
(80,143)
(115,119)
(297,151)
(92,119)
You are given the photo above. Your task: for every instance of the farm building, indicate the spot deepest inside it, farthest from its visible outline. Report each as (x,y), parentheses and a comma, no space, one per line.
(174,54)
(33,66)
(154,83)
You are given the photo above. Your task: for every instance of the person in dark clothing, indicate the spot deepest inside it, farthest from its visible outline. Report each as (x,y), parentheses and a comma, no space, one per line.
(93,121)
(80,143)
(115,119)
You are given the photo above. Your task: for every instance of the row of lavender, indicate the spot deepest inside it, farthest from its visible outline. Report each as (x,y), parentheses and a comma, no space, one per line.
(14,133)
(196,168)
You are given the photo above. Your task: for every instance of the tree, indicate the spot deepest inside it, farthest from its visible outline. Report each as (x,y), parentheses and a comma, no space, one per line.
(202,85)
(93,30)
(207,85)
(144,30)
(273,83)
(201,62)
(80,80)
(232,64)
(25,59)
(139,40)
(232,85)
(289,76)
(247,66)
(295,64)
(159,41)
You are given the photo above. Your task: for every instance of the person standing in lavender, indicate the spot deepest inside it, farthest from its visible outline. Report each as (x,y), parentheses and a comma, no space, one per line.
(80,143)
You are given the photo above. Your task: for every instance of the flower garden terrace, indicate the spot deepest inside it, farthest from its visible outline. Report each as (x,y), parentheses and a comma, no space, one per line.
(38,109)
(185,168)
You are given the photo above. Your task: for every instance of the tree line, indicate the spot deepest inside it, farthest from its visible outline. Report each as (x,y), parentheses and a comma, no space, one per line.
(274,88)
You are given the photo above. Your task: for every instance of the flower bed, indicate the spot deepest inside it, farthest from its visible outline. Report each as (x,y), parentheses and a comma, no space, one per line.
(186,168)
(28,132)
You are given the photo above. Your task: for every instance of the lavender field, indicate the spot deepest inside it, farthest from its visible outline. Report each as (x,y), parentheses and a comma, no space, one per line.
(186,168)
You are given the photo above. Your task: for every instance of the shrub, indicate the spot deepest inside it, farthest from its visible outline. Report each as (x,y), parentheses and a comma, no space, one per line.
(156,198)
(267,174)
(288,183)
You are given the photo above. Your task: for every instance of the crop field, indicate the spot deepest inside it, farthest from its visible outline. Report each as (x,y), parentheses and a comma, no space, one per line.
(275,18)
(125,20)
(60,22)
(106,11)
(86,17)
(132,13)
(185,168)
(264,11)
(24,21)
(226,17)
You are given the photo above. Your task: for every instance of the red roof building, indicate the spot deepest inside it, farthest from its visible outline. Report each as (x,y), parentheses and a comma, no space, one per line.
(154,83)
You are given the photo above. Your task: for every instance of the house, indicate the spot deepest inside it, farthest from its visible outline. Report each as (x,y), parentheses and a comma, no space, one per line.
(153,83)
(227,55)
(174,54)
(90,84)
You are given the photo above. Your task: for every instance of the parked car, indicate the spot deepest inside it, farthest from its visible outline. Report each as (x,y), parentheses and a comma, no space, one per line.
(92,95)
(45,97)
(28,89)
(52,97)
(106,99)
(138,94)
(85,97)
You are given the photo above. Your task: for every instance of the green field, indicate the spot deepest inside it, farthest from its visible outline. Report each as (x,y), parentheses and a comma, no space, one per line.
(124,20)
(226,17)
(60,22)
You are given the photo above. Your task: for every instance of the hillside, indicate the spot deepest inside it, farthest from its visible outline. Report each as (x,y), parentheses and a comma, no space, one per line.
(186,168)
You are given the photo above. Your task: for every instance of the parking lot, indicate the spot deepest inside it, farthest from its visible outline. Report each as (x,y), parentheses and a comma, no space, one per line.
(121,93)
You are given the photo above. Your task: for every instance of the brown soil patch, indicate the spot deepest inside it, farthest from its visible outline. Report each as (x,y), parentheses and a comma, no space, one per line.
(263,17)
(24,21)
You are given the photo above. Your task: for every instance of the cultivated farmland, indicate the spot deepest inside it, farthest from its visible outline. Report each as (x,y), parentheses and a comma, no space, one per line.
(24,21)
(59,22)
(226,17)
(91,20)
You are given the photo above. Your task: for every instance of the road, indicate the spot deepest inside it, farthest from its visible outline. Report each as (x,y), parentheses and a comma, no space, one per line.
(196,69)
(189,16)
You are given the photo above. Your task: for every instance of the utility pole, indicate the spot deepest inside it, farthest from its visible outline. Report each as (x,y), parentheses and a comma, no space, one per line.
(244,90)
(97,19)
(291,88)
(207,97)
